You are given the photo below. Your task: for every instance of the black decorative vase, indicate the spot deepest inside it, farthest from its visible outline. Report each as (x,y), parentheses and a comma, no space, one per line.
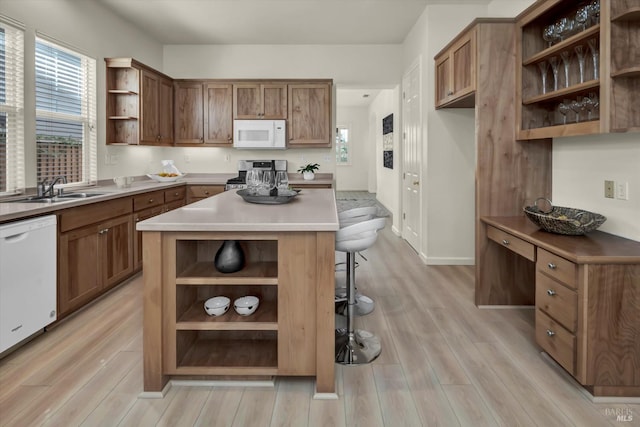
(230,257)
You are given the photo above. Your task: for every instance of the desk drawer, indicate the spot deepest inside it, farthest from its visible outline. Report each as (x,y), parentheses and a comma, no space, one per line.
(556,341)
(557,267)
(512,242)
(148,200)
(556,300)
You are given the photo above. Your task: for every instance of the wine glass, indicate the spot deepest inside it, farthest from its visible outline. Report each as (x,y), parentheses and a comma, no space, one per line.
(544,68)
(595,11)
(560,28)
(582,16)
(593,46)
(580,53)
(549,34)
(282,180)
(576,106)
(268,182)
(566,57)
(554,68)
(254,178)
(563,109)
(595,102)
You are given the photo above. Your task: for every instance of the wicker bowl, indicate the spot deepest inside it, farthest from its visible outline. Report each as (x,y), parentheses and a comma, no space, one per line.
(561,220)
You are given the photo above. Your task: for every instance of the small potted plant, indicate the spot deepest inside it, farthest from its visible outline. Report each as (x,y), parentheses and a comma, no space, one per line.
(308,171)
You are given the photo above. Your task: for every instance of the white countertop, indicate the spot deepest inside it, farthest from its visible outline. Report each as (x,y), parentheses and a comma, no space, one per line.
(311,210)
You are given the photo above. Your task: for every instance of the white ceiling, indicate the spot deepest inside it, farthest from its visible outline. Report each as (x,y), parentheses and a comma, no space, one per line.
(275,21)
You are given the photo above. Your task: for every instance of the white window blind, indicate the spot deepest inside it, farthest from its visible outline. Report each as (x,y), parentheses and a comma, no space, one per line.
(11,108)
(65,114)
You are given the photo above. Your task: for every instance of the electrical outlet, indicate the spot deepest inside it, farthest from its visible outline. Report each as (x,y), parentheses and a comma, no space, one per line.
(622,190)
(226,157)
(609,189)
(187,159)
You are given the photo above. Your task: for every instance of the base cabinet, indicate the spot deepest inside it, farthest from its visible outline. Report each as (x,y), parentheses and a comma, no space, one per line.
(98,257)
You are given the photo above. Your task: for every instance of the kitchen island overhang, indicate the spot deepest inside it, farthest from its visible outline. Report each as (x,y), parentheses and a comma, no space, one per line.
(290,257)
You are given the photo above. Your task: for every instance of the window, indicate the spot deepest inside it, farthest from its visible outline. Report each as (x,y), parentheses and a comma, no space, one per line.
(11,108)
(65,114)
(342,146)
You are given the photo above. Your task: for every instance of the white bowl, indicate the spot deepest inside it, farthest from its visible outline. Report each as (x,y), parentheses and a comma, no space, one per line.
(245,306)
(216,306)
(158,178)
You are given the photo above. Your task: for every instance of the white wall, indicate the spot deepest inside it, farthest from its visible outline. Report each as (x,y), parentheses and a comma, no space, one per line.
(355,176)
(448,147)
(387,181)
(92,29)
(373,66)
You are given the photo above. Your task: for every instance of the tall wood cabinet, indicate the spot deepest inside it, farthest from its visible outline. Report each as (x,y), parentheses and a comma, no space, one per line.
(203,113)
(600,99)
(139,104)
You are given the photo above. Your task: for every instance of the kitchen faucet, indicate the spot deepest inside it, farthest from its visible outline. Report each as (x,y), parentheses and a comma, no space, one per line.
(44,191)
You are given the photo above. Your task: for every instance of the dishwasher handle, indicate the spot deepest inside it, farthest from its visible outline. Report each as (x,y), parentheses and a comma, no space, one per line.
(15,238)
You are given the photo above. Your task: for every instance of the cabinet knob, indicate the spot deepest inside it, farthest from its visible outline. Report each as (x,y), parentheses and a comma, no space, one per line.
(551,292)
(206,192)
(150,200)
(103,231)
(552,266)
(550,333)
(416,182)
(505,242)
(449,93)
(176,194)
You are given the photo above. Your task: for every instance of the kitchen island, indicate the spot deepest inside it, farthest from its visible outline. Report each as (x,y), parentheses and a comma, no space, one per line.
(289,265)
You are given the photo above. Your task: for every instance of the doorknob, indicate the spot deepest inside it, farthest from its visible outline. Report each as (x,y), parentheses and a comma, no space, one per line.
(416,182)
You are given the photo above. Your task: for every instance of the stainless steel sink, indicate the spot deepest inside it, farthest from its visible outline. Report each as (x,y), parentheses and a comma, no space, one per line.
(56,199)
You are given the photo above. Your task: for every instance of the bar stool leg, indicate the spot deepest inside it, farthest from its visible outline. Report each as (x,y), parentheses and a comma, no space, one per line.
(354,347)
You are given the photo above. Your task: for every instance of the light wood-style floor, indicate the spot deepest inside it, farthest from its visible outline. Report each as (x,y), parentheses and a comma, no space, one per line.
(444,363)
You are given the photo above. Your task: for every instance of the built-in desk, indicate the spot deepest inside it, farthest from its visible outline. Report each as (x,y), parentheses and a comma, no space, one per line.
(586,291)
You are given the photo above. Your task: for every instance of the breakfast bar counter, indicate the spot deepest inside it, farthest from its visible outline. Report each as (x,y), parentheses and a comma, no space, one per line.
(289,265)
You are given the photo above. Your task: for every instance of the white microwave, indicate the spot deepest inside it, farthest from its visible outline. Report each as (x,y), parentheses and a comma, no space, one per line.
(260,134)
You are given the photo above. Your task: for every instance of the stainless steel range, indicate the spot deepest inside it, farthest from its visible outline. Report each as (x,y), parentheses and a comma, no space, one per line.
(240,181)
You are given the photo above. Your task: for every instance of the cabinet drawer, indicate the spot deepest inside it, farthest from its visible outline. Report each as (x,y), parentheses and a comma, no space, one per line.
(80,216)
(148,200)
(174,194)
(556,341)
(512,242)
(201,191)
(557,267)
(174,205)
(556,300)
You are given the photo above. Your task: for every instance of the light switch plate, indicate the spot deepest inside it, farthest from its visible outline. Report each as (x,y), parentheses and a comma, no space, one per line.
(609,189)
(622,190)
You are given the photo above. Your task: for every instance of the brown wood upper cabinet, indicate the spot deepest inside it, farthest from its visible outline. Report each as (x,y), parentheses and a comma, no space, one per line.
(156,120)
(139,104)
(259,101)
(597,96)
(309,121)
(456,72)
(203,112)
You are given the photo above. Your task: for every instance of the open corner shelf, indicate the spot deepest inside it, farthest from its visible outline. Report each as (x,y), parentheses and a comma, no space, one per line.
(569,43)
(562,93)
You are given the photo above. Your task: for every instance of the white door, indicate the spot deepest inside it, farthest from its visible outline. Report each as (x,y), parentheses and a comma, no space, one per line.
(411,164)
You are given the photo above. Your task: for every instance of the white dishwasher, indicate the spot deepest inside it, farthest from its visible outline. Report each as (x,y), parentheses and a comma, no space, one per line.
(27,278)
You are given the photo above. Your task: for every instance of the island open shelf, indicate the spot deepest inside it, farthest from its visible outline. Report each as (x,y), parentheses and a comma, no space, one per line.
(289,255)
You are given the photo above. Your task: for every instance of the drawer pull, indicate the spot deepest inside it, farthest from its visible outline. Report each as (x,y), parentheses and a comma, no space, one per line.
(150,200)
(505,242)
(550,333)
(206,192)
(103,231)
(176,194)
(552,266)
(551,292)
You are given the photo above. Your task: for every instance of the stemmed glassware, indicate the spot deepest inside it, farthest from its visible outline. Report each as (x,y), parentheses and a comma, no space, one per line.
(582,16)
(595,11)
(591,103)
(593,46)
(563,109)
(254,179)
(268,182)
(544,68)
(566,57)
(554,68)
(580,53)
(549,34)
(560,28)
(282,180)
(576,106)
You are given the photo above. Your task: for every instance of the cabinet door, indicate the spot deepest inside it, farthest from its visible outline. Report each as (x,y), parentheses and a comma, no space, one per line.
(463,65)
(309,115)
(188,113)
(79,275)
(165,111)
(116,250)
(247,101)
(443,79)
(274,101)
(150,94)
(218,114)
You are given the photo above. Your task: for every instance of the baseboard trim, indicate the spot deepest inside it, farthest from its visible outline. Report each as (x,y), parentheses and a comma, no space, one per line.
(396,231)
(224,383)
(491,307)
(155,394)
(449,261)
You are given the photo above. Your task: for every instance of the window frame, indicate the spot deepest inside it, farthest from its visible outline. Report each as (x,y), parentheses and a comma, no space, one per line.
(88,110)
(347,144)
(13,169)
